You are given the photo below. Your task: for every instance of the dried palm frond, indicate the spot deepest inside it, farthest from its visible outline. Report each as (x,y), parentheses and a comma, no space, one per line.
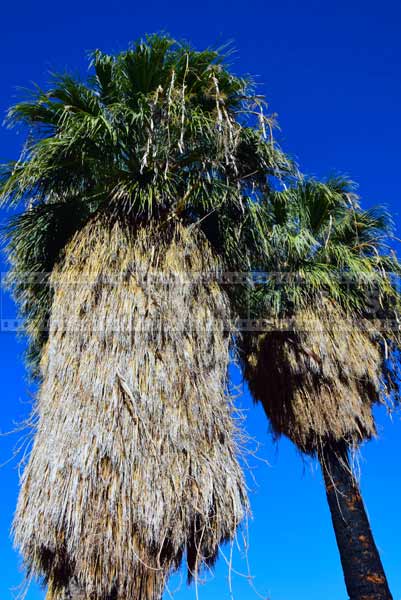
(319,377)
(134,466)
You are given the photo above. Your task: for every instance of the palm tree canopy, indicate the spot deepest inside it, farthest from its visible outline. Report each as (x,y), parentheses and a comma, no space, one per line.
(321,239)
(328,305)
(159,131)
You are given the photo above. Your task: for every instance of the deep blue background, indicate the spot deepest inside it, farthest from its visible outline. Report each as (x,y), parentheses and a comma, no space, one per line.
(332,72)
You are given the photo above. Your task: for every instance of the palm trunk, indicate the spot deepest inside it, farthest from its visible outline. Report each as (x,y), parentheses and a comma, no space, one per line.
(363,570)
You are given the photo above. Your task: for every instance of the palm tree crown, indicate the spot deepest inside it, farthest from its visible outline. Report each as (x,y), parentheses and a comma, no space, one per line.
(157,132)
(330,306)
(150,167)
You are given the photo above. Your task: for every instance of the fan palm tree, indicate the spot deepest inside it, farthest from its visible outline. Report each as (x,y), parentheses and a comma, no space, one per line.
(323,350)
(133,184)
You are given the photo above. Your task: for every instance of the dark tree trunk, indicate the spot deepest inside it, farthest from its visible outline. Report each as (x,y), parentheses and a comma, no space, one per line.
(363,570)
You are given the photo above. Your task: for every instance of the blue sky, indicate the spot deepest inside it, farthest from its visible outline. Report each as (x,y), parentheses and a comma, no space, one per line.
(331,70)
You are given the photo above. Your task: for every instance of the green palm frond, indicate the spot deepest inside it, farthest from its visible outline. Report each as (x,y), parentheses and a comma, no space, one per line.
(318,235)
(160,131)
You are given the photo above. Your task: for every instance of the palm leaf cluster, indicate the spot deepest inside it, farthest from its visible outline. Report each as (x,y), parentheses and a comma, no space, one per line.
(159,131)
(327,308)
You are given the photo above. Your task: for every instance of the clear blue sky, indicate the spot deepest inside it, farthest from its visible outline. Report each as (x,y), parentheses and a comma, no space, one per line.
(331,70)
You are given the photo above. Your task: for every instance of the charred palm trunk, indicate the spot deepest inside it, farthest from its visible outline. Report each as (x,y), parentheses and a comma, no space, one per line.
(363,570)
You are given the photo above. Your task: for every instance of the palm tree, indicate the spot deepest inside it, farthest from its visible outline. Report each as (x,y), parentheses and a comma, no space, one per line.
(134,185)
(324,350)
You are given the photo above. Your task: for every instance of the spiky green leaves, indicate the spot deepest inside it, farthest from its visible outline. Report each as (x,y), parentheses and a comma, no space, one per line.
(156,116)
(320,241)
(158,132)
